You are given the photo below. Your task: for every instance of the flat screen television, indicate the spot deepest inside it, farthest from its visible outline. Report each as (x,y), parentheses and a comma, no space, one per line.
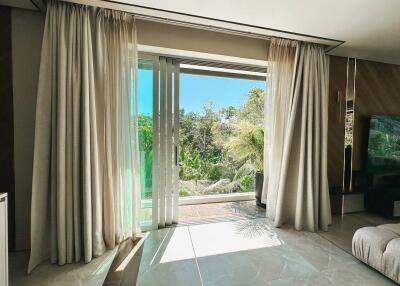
(384,143)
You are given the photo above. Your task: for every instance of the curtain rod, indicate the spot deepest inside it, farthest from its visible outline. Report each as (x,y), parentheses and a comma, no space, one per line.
(207,23)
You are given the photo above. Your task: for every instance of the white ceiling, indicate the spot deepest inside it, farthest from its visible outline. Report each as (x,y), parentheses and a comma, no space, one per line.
(370,28)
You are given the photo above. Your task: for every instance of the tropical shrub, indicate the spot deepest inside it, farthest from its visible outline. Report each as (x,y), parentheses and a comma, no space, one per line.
(220,150)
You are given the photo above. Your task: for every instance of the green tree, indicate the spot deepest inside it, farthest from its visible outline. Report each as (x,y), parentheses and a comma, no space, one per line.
(252,110)
(145,125)
(247,144)
(145,134)
(223,144)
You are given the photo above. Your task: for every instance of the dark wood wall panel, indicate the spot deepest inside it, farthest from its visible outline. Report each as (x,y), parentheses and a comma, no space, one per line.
(6,119)
(377,92)
(337,107)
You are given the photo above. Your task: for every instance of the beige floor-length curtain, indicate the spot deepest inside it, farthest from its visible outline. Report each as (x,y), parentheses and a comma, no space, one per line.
(85,185)
(296,184)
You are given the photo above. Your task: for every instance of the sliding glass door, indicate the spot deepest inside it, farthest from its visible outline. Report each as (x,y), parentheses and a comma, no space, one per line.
(158,88)
(201,134)
(145,125)
(166,168)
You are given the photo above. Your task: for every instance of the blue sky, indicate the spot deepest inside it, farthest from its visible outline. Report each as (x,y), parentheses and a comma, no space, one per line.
(195,90)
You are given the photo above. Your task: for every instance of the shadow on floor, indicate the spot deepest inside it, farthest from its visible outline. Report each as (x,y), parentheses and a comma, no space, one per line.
(124,268)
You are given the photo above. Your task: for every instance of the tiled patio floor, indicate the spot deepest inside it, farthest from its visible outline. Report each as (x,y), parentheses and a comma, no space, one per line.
(219,212)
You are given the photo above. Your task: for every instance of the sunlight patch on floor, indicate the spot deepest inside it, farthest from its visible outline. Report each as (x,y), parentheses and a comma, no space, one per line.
(219,238)
(178,247)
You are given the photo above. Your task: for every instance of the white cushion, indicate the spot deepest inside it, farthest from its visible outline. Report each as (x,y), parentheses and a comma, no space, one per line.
(379,247)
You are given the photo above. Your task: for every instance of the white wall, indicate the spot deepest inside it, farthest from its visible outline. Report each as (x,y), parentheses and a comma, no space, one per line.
(27,31)
(178,37)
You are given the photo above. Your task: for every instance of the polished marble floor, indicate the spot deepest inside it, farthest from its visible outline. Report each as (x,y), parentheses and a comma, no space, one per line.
(343,227)
(46,274)
(245,251)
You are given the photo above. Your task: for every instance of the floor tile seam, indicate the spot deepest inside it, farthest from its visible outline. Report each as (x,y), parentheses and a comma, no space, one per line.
(195,256)
(335,244)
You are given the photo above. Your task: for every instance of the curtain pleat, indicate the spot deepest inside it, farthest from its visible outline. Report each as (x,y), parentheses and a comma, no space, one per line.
(85,182)
(296,185)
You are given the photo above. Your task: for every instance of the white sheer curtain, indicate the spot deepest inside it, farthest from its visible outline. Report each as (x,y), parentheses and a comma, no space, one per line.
(296,185)
(85,185)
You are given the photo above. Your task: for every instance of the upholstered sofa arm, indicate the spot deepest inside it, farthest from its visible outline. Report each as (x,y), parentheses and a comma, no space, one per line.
(379,247)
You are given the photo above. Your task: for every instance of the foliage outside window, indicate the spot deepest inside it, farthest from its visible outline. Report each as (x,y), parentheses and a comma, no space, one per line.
(221,149)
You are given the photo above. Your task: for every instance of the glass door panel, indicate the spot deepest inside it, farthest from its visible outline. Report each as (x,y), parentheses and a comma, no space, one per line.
(145,125)
(158,108)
